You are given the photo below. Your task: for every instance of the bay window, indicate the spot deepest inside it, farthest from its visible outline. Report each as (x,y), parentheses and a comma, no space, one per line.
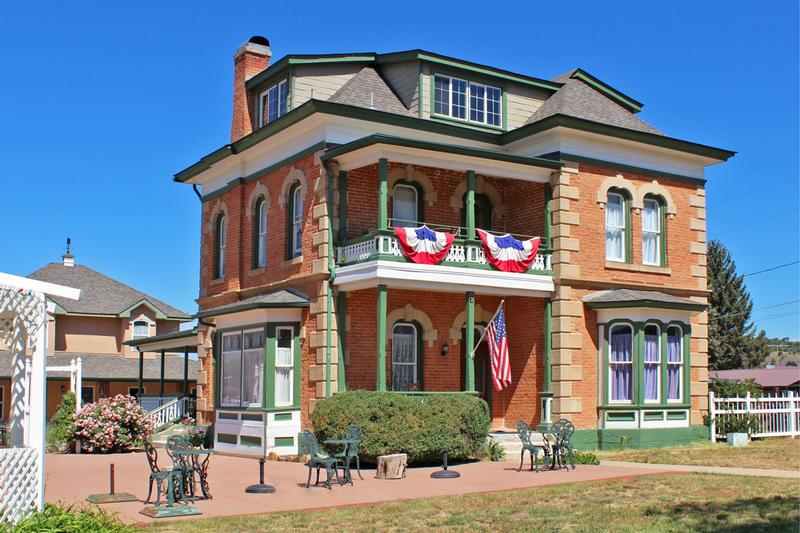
(651,232)
(242,368)
(273,103)
(621,362)
(467,100)
(652,363)
(405,357)
(674,364)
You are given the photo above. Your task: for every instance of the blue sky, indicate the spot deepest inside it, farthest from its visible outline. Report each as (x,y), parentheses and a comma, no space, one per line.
(104,101)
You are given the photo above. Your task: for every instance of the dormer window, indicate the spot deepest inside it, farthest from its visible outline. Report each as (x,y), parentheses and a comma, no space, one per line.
(141,330)
(467,100)
(273,103)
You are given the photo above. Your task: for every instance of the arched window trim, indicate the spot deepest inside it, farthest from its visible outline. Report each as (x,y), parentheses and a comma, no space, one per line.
(626,230)
(610,362)
(260,226)
(220,246)
(658,364)
(420,204)
(419,354)
(294,221)
(139,322)
(479,198)
(662,229)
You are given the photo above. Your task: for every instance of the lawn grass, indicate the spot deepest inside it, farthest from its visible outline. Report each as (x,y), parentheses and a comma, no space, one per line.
(684,502)
(780,453)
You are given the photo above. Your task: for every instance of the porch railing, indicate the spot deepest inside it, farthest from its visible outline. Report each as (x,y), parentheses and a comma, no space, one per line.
(463,252)
(174,409)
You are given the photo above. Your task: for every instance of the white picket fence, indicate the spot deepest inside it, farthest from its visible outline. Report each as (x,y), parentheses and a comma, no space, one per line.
(777,416)
(19,484)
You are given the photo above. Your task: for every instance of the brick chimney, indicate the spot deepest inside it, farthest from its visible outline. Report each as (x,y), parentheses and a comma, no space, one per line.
(250,59)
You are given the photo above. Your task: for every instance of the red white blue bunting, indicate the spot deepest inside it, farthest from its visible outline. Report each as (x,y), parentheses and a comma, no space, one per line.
(508,254)
(423,245)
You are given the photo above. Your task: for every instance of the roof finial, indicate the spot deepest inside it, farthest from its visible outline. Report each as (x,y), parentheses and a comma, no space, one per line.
(68,259)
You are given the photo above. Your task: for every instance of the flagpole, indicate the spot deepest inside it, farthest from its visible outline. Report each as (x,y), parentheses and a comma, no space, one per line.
(483,333)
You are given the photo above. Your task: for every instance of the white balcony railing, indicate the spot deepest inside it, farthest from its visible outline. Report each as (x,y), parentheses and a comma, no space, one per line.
(462,254)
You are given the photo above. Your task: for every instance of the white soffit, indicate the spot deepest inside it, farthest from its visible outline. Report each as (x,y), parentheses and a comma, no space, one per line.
(643,314)
(441,278)
(256,318)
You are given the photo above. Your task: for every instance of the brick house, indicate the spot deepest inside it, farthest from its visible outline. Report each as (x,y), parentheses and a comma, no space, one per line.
(304,291)
(95,329)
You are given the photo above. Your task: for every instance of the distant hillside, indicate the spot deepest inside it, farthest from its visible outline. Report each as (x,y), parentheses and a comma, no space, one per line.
(784,352)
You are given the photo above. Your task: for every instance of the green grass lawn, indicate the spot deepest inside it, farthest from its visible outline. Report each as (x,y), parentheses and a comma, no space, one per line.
(685,502)
(781,453)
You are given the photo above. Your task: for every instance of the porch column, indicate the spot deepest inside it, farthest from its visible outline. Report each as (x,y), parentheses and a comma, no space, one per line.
(161,389)
(342,205)
(140,383)
(380,373)
(548,371)
(341,324)
(469,345)
(383,193)
(186,371)
(471,205)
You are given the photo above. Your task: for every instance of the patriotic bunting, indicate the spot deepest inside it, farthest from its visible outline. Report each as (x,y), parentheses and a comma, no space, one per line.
(423,245)
(507,253)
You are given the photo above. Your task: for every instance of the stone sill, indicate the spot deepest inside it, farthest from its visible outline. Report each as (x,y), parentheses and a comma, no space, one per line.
(628,267)
(295,261)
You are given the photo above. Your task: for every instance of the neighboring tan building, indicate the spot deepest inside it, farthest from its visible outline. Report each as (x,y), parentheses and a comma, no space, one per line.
(304,290)
(94,329)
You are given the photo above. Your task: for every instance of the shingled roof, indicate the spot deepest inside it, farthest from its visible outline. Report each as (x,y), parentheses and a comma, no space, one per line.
(639,298)
(283,298)
(368,89)
(100,295)
(112,366)
(577,99)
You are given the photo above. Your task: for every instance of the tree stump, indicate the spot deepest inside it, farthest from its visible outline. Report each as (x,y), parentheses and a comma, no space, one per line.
(392,466)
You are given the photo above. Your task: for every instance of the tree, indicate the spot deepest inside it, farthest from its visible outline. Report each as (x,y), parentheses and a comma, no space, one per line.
(732,342)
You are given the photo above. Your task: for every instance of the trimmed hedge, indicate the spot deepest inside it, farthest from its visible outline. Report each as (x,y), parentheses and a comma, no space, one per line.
(418,425)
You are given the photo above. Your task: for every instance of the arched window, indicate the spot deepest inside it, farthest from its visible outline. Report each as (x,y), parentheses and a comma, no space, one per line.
(295,221)
(405,356)
(617,227)
(674,364)
(483,212)
(222,243)
(406,210)
(141,329)
(260,233)
(652,232)
(652,363)
(620,357)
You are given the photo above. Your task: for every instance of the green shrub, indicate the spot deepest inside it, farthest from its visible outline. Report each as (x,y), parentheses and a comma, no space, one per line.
(736,389)
(417,425)
(61,427)
(69,519)
(734,423)
(493,450)
(585,458)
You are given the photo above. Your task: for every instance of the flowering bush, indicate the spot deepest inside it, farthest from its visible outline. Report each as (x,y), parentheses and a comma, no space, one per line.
(112,424)
(193,432)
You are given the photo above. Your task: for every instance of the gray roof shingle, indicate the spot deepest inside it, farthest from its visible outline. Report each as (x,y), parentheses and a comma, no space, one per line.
(368,89)
(638,298)
(277,299)
(577,99)
(113,366)
(100,294)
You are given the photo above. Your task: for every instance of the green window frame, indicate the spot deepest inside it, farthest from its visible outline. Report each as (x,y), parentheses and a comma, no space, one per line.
(417,364)
(420,204)
(220,245)
(260,225)
(294,221)
(625,230)
(660,233)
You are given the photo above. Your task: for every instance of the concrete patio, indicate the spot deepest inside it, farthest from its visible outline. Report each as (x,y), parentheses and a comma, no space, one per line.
(70,478)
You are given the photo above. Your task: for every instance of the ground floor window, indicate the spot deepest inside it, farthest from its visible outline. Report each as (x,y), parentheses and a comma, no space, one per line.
(652,362)
(405,357)
(674,363)
(242,374)
(134,391)
(284,366)
(87,395)
(621,360)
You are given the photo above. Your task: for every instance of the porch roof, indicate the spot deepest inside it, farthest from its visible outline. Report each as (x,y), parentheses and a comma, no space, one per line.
(368,150)
(281,299)
(177,340)
(616,298)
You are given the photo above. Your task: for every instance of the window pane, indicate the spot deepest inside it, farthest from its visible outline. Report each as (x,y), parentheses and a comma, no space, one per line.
(651,221)
(615,228)
(253,377)
(231,369)
(262,234)
(459,98)
(283,350)
(674,363)
(404,356)
(297,230)
(140,329)
(652,358)
(262,117)
(273,103)
(621,347)
(404,206)
(493,106)
(283,99)
(283,386)
(477,101)
(284,366)
(651,233)
(441,95)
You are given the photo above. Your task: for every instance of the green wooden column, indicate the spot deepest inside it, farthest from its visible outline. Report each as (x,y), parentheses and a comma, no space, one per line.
(383,193)
(380,374)
(548,197)
(470,342)
(471,205)
(341,324)
(342,205)
(548,369)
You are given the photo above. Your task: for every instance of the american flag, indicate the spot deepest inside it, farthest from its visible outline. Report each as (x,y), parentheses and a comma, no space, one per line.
(498,351)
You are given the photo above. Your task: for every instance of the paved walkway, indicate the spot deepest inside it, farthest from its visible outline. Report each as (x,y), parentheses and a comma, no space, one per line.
(758,472)
(71,478)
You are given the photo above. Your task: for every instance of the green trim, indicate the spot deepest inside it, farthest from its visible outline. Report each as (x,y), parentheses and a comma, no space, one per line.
(383,193)
(419,91)
(381,340)
(284,441)
(250,306)
(465,121)
(652,415)
(342,205)
(548,342)
(292,78)
(283,417)
(286,62)
(332,275)
(619,97)
(548,222)
(160,315)
(188,334)
(653,139)
(227,438)
(611,439)
(341,326)
(677,415)
(621,416)
(249,440)
(391,140)
(644,302)
(469,334)
(470,203)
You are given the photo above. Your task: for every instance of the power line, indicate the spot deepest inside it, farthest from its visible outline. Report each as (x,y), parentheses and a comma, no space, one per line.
(742,192)
(772,317)
(770,269)
(758,309)
(758,221)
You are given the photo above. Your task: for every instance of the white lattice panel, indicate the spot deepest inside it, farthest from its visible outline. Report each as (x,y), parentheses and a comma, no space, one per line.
(26,306)
(19,483)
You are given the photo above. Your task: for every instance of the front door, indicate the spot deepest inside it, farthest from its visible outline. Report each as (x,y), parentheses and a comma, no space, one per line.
(483,377)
